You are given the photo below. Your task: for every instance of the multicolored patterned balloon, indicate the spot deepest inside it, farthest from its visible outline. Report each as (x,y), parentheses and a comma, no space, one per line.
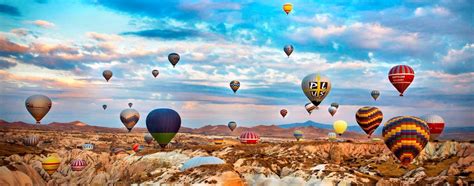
(298,134)
(406,137)
(51,164)
(369,118)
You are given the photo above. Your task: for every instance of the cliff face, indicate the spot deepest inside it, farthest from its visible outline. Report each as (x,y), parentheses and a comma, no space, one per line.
(273,162)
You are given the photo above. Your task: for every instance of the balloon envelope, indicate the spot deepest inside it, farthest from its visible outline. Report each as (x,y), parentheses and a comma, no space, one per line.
(130,105)
(137,147)
(201,160)
(375,94)
(155,73)
(298,134)
(232,125)
(369,118)
(174,58)
(107,74)
(78,164)
(234,85)
(316,87)
(148,138)
(249,138)
(406,137)
(51,164)
(38,106)
(340,126)
(287,7)
(335,105)
(401,77)
(436,125)
(31,141)
(332,136)
(288,49)
(163,124)
(129,118)
(309,107)
(104,107)
(283,112)
(332,110)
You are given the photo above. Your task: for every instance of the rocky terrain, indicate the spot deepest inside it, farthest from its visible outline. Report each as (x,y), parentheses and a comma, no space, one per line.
(273,162)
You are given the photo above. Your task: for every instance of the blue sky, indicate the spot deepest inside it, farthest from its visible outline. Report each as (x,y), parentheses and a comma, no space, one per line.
(60,49)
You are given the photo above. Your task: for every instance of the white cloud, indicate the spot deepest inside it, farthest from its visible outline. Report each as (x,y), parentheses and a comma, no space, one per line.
(43,24)
(465,54)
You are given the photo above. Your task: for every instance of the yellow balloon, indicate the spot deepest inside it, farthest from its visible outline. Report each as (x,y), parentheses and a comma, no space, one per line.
(287,7)
(51,164)
(340,126)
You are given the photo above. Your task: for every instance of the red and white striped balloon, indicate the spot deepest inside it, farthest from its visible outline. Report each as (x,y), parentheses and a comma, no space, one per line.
(436,125)
(78,164)
(249,138)
(401,77)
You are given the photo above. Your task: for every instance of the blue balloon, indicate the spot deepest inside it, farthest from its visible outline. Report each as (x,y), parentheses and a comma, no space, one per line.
(201,160)
(163,124)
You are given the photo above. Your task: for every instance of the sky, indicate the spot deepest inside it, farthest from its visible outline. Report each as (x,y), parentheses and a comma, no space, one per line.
(60,49)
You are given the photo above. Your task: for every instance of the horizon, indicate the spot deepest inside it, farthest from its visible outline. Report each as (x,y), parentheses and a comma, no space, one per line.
(62,53)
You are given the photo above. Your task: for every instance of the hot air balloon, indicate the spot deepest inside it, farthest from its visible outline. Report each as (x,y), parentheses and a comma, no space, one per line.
(173,58)
(51,164)
(249,138)
(155,73)
(232,125)
(309,107)
(298,134)
(163,124)
(31,141)
(87,146)
(107,74)
(234,85)
(401,77)
(375,94)
(332,136)
(335,105)
(288,49)
(406,137)
(340,126)
(148,138)
(129,118)
(38,106)
(332,110)
(316,87)
(201,160)
(130,105)
(118,151)
(137,147)
(283,112)
(436,125)
(104,107)
(287,7)
(78,164)
(218,141)
(369,118)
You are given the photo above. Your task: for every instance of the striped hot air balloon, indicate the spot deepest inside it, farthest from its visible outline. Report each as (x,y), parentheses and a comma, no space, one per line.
(332,136)
(88,146)
(78,164)
(436,125)
(249,138)
(137,147)
(298,134)
(51,164)
(369,118)
(406,137)
(287,7)
(148,138)
(218,141)
(401,77)
(31,141)
(309,107)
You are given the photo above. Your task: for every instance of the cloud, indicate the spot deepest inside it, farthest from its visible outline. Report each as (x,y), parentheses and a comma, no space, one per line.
(459,61)
(7,63)
(43,24)
(6,46)
(9,10)
(427,11)
(103,37)
(20,31)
